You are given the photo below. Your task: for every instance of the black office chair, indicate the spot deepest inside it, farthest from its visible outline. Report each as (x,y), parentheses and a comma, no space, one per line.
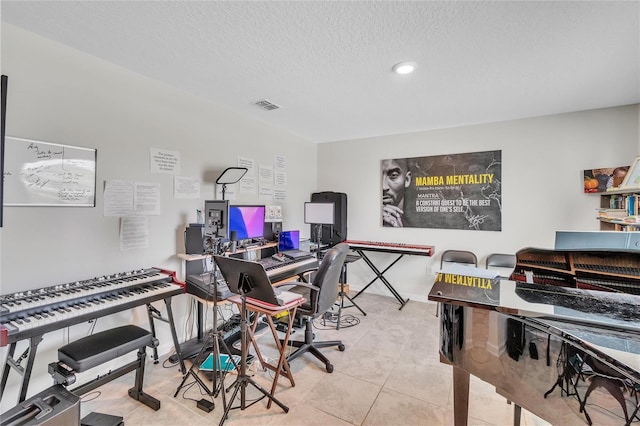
(502,262)
(456,256)
(321,295)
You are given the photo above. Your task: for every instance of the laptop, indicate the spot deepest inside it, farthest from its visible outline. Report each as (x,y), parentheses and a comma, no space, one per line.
(255,285)
(289,245)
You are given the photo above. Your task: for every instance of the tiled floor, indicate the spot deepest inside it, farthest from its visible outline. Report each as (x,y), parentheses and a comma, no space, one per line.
(389,374)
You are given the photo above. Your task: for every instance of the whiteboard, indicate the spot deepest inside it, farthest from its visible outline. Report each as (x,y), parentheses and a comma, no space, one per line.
(40,173)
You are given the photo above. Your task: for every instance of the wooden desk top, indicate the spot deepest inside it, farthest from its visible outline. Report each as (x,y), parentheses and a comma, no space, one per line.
(266,308)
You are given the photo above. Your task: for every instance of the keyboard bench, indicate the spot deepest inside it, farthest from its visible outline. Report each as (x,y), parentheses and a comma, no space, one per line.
(95,350)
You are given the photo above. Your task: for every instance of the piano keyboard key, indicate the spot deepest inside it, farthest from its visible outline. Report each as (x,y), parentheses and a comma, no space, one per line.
(38,311)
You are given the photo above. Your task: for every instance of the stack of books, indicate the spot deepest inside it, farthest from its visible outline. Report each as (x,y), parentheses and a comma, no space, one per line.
(612,213)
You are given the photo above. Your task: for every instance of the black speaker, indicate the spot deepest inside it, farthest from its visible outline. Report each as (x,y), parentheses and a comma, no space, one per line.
(339,200)
(233,241)
(276,227)
(272,230)
(194,240)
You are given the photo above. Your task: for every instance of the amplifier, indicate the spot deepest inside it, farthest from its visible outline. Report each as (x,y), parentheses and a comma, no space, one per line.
(53,406)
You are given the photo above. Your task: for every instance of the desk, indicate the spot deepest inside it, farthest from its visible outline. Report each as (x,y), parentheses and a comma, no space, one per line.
(400,249)
(269,311)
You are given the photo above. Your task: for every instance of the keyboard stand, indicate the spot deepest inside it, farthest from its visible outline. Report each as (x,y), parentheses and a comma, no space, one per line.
(30,353)
(380,276)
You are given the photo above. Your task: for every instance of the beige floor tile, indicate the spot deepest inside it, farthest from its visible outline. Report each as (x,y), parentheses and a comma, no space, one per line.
(360,364)
(392,408)
(344,396)
(420,381)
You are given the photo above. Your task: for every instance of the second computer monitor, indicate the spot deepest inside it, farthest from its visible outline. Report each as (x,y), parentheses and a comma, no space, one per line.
(246,221)
(289,240)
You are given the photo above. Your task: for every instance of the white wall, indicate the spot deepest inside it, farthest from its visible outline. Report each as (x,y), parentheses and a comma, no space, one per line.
(542,163)
(61,95)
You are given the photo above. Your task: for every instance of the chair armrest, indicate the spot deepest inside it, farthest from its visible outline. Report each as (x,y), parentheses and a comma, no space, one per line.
(312,297)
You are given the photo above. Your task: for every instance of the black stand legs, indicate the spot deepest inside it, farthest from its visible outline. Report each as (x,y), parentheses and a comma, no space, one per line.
(381,277)
(342,294)
(243,379)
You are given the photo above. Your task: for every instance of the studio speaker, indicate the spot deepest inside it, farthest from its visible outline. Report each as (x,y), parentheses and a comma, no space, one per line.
(233,245)
(194,239)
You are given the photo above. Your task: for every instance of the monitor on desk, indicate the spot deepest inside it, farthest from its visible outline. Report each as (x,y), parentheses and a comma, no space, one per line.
(289,240)
(247,221)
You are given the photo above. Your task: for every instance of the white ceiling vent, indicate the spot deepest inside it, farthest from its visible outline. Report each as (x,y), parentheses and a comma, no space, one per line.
(265,104)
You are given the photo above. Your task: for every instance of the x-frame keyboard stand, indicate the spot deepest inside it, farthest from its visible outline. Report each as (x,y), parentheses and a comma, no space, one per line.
(381,277)
(400,249)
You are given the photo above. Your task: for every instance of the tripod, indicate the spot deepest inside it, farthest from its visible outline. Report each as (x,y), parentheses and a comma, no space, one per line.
(245,286)
(212,341)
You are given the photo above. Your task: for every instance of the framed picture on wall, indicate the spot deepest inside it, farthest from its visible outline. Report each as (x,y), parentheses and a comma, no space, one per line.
(632,179)
(604,179)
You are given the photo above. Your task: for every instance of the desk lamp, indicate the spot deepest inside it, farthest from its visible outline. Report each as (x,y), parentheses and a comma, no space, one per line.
(229,176)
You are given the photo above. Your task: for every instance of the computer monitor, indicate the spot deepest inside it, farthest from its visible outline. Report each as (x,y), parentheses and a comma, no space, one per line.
(246,221)
(289,240)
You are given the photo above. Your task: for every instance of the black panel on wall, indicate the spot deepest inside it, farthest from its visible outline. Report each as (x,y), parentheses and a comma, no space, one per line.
(339,200)
(3,120)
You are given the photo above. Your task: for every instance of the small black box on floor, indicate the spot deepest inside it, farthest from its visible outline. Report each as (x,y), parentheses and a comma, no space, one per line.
(99,419)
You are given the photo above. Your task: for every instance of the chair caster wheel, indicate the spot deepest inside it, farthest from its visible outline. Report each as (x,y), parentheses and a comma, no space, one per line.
(329,368)
(341,348)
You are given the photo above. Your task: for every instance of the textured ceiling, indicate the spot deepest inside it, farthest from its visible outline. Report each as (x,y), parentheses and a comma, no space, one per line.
(328,64)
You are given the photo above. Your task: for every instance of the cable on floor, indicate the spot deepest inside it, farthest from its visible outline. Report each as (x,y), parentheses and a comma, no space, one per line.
(86,397)
(329,321)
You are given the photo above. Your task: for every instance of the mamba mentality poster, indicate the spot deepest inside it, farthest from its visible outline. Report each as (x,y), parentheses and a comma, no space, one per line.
(455,191)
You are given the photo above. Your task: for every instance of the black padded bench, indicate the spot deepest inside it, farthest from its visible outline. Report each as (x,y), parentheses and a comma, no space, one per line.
(94,350)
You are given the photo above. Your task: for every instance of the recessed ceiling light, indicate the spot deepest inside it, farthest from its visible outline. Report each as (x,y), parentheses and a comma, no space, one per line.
(404,67)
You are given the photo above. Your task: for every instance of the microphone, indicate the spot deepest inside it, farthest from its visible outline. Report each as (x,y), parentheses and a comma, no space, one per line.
(234,241)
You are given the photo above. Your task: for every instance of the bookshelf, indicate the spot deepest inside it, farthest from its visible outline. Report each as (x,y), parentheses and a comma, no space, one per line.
(619,210)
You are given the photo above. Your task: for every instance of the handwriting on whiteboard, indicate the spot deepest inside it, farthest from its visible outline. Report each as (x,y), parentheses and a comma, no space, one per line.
(43,173)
